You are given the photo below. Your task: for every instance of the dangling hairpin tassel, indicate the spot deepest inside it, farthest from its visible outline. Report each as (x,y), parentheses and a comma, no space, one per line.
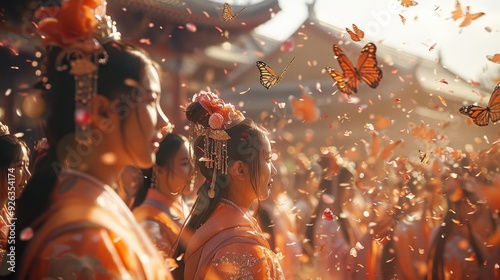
(78,33)
(222,116)
(83,59)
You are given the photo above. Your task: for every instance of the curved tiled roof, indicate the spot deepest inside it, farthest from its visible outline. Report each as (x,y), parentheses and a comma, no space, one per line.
(133,18)
(201,12)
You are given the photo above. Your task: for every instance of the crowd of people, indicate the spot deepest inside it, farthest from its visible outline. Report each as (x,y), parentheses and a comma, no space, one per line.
(114,194)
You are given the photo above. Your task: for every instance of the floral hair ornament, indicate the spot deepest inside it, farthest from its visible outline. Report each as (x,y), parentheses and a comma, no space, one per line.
(222,116)
(78,27)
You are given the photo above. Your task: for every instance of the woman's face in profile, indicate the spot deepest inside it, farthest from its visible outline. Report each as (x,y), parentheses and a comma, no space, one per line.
(21,171)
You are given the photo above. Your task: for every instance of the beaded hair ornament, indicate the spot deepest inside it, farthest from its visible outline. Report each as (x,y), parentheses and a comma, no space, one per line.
(79,27)
(222,116)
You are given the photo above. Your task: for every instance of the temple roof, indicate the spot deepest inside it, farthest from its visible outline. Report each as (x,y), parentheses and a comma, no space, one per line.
(184,26)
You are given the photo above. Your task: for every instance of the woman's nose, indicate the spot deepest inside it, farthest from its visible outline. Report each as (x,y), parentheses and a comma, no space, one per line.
(274,171)
(163,123)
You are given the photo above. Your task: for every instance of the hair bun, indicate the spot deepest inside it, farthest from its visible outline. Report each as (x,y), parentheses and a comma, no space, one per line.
(197,114)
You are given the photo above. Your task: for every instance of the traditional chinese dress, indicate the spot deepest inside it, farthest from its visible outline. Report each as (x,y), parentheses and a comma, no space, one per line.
(162,218)
(89,233)
(230,245)
(285,241)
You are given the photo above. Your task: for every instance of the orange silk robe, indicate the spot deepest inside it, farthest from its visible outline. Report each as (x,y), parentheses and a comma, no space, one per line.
(4,230)
(89,233)
(227,246)
(161,218)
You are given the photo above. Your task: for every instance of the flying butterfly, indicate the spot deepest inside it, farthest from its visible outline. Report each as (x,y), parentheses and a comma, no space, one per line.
(481,116)
(227,12)
(366,70)
(408,3)
(467,18)
(268,77)
(424,157)
(356,33)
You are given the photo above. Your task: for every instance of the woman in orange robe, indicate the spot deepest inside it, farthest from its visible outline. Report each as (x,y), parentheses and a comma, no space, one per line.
(160,209)
(235,158)
(103,100)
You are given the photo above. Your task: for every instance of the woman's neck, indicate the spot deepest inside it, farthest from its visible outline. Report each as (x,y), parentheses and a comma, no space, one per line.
(240,200)
(108,174)
(166,191)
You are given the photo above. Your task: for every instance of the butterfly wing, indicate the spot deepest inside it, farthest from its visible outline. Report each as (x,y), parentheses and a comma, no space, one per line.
(494,104)
(339,78)
(479,115)
(268,77)
(457,13)
(358,31)
(470,17)
(350,73)
(227,12)
(353,35)
(368,69)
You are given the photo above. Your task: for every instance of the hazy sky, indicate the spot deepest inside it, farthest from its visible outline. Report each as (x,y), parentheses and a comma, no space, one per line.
(463,50)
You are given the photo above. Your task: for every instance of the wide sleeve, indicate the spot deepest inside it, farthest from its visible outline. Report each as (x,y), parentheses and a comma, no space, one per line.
(93,253)
(159,235)
(244,261)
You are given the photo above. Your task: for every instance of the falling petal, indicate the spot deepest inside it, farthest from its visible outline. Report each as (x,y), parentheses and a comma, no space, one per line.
(204,159)
(353,252)
(26,234)
(245,91)
(327,215)
(145,41)
(443,101)
(191,27)
(432,47)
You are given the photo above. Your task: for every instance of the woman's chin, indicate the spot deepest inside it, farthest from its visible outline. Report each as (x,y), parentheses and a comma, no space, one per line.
(145,162)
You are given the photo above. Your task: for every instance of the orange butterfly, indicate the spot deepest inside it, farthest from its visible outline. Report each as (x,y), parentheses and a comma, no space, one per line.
(227,12)
(268,77)
(494,58)
(366,70)
(480,115)
(468,18)
(408,3)
(357,34)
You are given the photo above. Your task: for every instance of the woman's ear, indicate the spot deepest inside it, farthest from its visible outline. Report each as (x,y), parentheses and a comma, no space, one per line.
(102,115)
(239,170)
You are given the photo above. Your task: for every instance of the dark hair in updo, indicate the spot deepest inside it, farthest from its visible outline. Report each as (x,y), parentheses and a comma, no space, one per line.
(247,139)
(197,114)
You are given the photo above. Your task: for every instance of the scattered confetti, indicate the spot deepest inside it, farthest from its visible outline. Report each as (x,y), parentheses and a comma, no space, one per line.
(403,19)
(327,215)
